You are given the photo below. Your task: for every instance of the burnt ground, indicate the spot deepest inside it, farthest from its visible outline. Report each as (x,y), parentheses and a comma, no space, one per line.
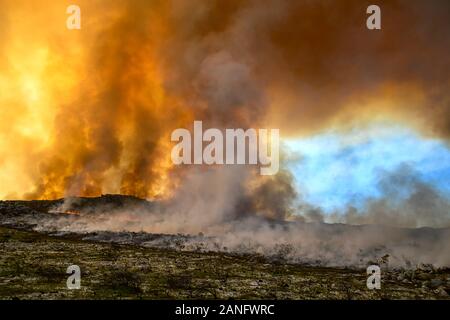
(33,266)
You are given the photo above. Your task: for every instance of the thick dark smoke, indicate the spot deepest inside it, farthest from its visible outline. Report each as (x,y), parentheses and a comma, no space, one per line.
(314,62)
(271,197)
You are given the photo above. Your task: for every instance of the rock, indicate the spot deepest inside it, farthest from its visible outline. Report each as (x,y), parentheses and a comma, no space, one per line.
(423,276)
(442,292)
(426,267)
(435,283)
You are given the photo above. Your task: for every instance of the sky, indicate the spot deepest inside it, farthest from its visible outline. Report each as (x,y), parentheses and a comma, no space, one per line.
(335,169)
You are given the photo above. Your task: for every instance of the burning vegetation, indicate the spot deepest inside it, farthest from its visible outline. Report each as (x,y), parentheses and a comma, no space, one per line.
(88,113)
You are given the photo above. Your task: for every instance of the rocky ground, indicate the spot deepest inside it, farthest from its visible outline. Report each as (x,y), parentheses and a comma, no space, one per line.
(33,266)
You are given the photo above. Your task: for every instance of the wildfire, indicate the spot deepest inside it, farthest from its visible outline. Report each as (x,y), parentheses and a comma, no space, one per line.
(85,112)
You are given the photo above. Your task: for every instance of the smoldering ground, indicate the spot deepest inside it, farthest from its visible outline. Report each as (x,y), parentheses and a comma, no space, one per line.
(242,220)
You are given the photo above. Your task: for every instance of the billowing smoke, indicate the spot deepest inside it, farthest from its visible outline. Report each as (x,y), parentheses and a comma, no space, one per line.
(211,221)
(406,202)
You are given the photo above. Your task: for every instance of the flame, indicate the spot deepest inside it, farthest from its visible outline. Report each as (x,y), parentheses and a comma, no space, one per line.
(85,112)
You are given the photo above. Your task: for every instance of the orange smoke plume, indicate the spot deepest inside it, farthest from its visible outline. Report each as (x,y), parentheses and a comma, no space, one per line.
(85,112)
